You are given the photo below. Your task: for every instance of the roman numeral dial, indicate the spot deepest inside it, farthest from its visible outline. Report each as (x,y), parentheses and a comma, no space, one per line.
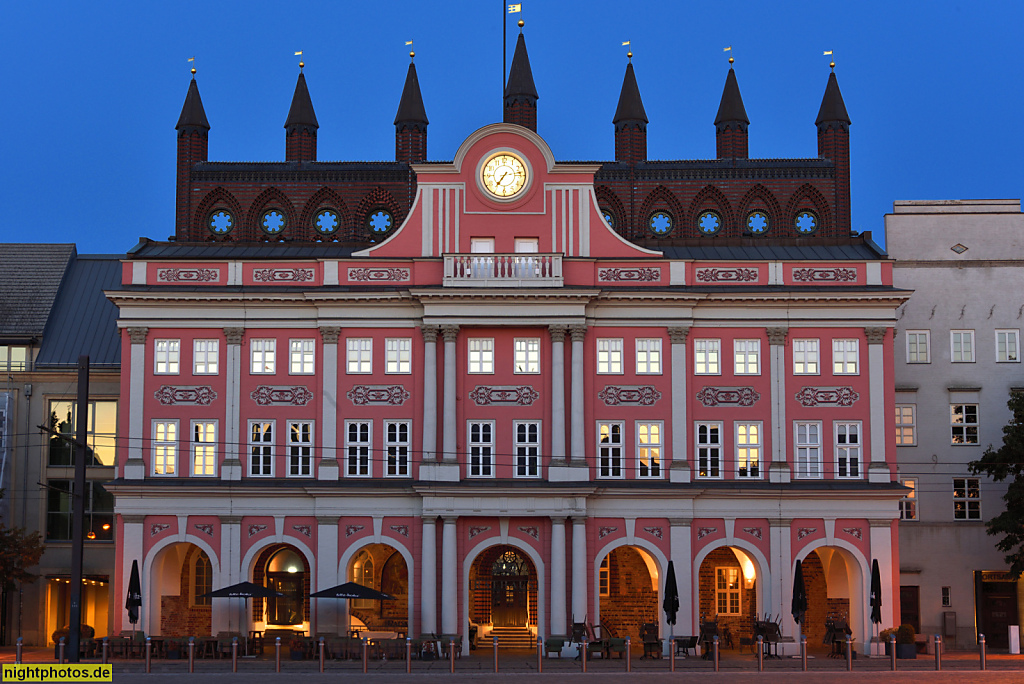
(504,175)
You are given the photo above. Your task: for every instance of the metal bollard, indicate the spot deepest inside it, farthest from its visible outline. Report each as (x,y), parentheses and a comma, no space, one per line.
(849,653)
(277,654)
(321,655)
(803,652)
(938,651)
(540,654)
(892,652)
(583,654)
(408,655)
(366,653)
(105,651)
(149,655)
(495,654)
(60,651)
(234,654)
(17,652)
(671,655)
(714,651)
(192,654)
(760,653)
(981,644)
(629,655)
(451,654)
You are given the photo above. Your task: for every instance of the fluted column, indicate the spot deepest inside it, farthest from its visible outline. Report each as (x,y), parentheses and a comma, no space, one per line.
(231,466)
(777,593)
(135,467)
(449,446)
(878,471)
(232,619)
(558,624)
(557,394)
(326,610)
(578,444)
(133,548)
(680,549)
(679,469)
(580,582)
(429,392)
(779,469)
(449,578)
(328,469)
(428,577)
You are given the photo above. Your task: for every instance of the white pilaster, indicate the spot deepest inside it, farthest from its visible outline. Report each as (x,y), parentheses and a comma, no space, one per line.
(135,467)
(577,453)
(778,470)
(778,598)
(132,547)
(325,615)
(449,578)
(328,469)
(450,448)
(878,471)
(231,466)
(579,570)
(232,617)
(428,578)
(558,623)
(429,392)
(679,468)
(557,392)
(881,550)
(680,551)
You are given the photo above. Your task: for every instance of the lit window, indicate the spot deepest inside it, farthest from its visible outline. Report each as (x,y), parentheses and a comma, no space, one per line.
(360,355)
(908,504)
(527,353)
(706,354)
(747,357)
(101,432)
(727,591)
(398,355)
(481,449)
(648,450)
(961,346)
(966,498)
(963,420)
(805,357)
(918,344)
(844,357)
(204,357)
(709,450)
(848,450)
(397,443)
(357,448)
(98,523)
(300,448)
(261,448)
(808,450)
(204,447)
(609,454)
(202,580)
(527,446)
(167,356)
(609,356)
(1007,346)
(263,357)
(165,447)
(13,358)
(604,583)
(906,433)
(481,355)
(301,357)
(648,356)
(748,450)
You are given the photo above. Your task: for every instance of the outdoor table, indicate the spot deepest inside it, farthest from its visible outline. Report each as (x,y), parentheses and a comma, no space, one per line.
(256,641)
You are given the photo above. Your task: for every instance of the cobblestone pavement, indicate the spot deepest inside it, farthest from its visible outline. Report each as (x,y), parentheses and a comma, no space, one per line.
(957,667)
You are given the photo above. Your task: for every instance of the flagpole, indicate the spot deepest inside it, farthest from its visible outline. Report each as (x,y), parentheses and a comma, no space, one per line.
(504,47)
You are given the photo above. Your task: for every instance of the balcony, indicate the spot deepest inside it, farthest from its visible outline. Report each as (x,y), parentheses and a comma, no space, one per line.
(503,270)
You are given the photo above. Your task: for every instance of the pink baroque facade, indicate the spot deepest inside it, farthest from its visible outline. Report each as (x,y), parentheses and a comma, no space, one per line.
(502,414)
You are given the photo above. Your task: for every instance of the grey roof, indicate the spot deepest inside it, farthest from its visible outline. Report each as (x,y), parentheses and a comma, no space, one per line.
(83,320)
(301,112)
(731,107)
(631,106)
(832,106)
(752,250)
(29,285)
(148,249)
(410,107)
(192,112)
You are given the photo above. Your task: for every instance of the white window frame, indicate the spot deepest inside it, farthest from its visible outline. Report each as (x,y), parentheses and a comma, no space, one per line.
(909,503)
(480,449)
(650,441)
(848,446)
(263,356)
(527,355)
(966,506)
(707,437)
(963,426)
(358,355)
(261,448)
(733,594)
(746,357)
(961,346)
(300,451)
(397,449)
(905,422)
(919,346)
(480,355)
(359,449)
(302,356)
(610,444)
(205,356)
(166,357)
(807,356)
(1007,346)
(398,356)
(204,448)
(648,356)
(527,448)
(707,357)
(807,461)
(165,448)
(749,438)
(609,356)
(845,356)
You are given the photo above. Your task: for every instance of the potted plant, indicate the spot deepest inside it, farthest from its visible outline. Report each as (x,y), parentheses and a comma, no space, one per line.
(884,636)
(906,646)
(173,647)
(298,649)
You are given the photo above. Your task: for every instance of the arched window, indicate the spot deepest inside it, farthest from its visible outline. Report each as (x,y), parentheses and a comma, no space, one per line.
(202,579)
(362,573)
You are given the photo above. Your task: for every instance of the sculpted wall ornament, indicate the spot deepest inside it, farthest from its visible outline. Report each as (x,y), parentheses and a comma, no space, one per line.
(678,334)
(504,394)
(303,530)
(187,275)
(157,528)
(265,395)
(603,532)
(777,335)
(854,532)
(826,396)
(875,335)
(705,531)
(628,274)
(234,335)
(255,529)
(330,334)
(401,529)
(200,395)
(138,335)
(352,529)
(389,395)
(205,528)
(724,396)
(805,532)
(753,531)
(282,275)
(378,274)
(818,275)
(474,531)
(530,531)
(642,395)
(727,275)
(654,532)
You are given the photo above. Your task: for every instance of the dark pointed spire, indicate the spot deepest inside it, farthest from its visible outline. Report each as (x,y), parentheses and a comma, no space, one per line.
(192,113)
(301,112)
(731,107)
(520,92)
(832,106)
(410,107)
(631,107)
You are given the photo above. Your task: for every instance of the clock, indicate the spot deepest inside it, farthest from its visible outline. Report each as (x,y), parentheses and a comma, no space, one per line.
(504,175)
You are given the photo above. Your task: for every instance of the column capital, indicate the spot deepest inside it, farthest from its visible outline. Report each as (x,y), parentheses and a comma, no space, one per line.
(429,332)
(330,333)
(875,335)
(578,332)
(327,520)
(230,519)
(450,519)
(429,519)
(557,332)
(137,335)
(450,332)
(680,522)
(579,520)
(558,520)
(777,335)
(677,334)
(132,519)
(234,335)
(880,522)
(780,522)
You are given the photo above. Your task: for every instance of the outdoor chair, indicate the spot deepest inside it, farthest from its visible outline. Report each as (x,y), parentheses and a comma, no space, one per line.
(684,644)
(652,644)
(615,645)
(554,644)
(595,646)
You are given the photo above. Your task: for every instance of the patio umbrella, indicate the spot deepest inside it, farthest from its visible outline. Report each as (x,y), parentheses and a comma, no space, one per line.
(799,605)
(351,590)
(242,590)
(671,603)
(876,596)
(134,600)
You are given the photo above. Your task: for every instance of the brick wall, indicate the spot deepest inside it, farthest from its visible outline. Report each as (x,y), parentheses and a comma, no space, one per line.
(819,606)
(480,586)
(177,616)
(740,626)
(631,600)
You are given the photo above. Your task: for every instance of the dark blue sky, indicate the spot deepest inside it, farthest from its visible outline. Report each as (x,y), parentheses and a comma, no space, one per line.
(93,90)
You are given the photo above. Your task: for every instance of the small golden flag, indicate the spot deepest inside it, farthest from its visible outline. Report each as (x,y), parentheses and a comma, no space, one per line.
(727,49)
(512,9)
(191,59)
(408,42)
(827,52)
(298,53)
(627,42)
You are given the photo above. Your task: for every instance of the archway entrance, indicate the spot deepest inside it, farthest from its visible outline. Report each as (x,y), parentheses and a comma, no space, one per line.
(181,574)
(627,581)
(729,595)
(381,567)
(503,589)
(283,568)
(832,579)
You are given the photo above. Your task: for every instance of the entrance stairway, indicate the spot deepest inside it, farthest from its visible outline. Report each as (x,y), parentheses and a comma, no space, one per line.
(510,637)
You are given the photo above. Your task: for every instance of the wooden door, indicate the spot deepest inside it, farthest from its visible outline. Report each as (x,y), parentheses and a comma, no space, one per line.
(910,606)
(509,601)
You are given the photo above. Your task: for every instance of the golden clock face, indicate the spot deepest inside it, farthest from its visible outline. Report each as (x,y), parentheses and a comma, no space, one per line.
(504,175)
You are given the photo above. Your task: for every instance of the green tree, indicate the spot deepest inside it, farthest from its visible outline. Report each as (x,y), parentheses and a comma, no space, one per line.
(1007,463)
(19,551)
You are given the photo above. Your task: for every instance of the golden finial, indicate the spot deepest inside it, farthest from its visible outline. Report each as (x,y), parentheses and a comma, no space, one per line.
(193,72)
(831,64)
(731,60)
(629,55)
(193,61)
(412,52)
(521,25)
(301,65)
